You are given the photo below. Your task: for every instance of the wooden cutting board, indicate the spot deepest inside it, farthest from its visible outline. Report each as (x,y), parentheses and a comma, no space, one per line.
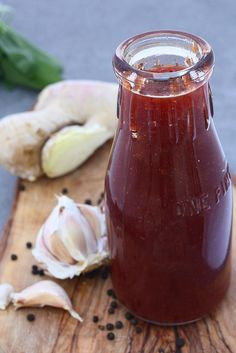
(54,331)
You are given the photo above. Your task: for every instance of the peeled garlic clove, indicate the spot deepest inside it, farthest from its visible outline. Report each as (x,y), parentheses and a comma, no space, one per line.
(44,293)
(5,295)
(72,239)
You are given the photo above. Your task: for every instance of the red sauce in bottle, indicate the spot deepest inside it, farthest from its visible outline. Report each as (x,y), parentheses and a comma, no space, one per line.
(168,206)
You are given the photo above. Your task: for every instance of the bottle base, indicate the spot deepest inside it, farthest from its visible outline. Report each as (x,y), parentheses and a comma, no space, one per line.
(164,324)
(169,324)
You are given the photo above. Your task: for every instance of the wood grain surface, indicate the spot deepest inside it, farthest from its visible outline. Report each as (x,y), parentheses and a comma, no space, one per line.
(54,331)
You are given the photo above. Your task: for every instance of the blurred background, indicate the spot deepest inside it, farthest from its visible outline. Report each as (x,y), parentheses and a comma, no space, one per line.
(83,35)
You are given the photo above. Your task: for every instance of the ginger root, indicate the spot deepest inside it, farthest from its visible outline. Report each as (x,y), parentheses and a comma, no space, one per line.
(70,120)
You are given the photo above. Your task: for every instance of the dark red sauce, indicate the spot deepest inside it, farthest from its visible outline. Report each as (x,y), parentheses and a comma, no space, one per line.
(168,207)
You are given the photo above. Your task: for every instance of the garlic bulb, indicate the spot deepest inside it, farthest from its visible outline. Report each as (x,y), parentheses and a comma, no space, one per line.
(72,240)
(5,295)
(44,293)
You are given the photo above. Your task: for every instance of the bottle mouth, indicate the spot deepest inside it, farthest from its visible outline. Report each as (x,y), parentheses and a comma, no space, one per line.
(163,63)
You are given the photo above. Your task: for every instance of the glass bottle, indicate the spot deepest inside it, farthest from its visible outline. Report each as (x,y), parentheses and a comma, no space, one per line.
(168,186)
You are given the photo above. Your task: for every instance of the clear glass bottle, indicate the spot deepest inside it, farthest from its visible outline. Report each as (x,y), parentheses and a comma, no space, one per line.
(168,186)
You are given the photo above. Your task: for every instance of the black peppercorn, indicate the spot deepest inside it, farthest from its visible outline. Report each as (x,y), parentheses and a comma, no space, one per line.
(138,329)
(41,273)
(88,202)
(30,317)
(134,322)
(180,342)
(14,257)
(29,245)
(119,325)
(110,292)
(110,336)
(111,310)
(109,327)
(113,304)
(129,316)
(64,191)
(95,318)
(35,270)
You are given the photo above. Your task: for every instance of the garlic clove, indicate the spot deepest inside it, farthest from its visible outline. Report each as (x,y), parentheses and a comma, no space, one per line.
(44,293)
(75,232)
(5,295)
(95,218)
(59,250)
(51,264)
(63,232)
(51,239)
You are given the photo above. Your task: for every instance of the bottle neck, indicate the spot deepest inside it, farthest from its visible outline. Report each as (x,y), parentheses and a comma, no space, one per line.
(172,119)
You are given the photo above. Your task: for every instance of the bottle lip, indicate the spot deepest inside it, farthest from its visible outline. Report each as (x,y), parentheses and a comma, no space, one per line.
(194,74)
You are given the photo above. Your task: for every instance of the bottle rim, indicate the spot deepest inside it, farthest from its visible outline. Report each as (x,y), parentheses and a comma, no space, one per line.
(196,54)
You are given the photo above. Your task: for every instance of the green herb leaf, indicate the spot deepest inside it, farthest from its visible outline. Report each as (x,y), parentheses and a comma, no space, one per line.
(21,63)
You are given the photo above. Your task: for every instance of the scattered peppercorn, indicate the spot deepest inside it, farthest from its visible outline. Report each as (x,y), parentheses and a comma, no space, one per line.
(64,191)
(134,321)
(14,257)
(95,318)
(104,273)
(114,295)
(41,272)
(101,327)
(110,336)
(37,271)
(30,317)
(22,187)
(102,195)
(129,316)
(110,292)
(111,310)
(29,245)
(88,202)
(119,325)
(161,350)
(113,304)
(109,327)
(138,329)
(180,342)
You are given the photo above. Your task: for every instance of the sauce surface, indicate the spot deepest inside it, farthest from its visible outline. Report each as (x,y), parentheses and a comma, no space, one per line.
(168,207)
